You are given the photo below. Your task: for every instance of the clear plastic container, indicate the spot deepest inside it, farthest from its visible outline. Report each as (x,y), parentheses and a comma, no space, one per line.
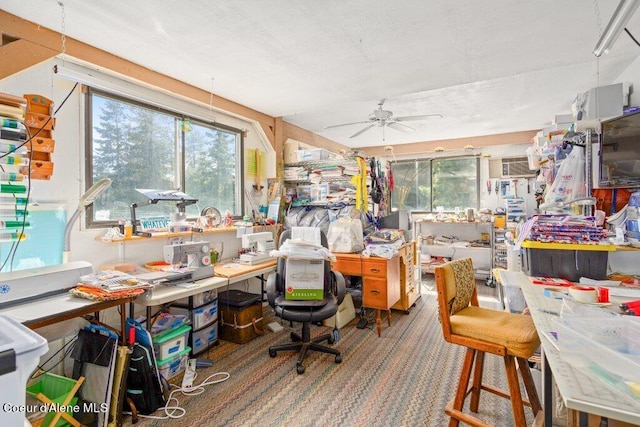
(607,349)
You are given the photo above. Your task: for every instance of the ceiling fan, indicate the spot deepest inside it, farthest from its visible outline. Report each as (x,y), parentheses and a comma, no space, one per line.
(382,118)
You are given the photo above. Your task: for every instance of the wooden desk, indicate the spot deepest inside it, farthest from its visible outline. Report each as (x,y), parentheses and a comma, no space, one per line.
(235,272)
(380,281)
(58,308)
(581,393)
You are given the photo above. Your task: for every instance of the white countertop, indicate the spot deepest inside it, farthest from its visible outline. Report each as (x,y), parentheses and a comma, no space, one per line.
(579,391)
(162,294)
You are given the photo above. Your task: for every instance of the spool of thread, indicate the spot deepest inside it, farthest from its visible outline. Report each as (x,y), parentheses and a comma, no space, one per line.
(584,294)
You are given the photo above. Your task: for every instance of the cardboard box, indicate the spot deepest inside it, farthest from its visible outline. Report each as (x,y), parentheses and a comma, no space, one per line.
(289,150)
(304,279)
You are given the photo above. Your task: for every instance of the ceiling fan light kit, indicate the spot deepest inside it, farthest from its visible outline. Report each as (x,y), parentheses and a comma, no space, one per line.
(384,118)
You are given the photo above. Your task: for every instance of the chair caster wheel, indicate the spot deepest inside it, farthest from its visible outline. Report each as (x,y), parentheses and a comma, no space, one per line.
(338,358)
(330,340)
(273,353)
(300,369)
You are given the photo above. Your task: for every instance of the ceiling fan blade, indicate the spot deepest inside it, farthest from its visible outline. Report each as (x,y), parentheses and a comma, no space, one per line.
(360,132)
(413,118)
(346,124)
(399,126)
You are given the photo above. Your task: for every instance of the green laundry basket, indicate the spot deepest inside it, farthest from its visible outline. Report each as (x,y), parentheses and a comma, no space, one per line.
(56,388)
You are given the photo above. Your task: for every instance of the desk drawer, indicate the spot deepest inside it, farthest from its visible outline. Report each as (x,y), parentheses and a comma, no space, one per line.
(374,293)
(374,267)
(347,266)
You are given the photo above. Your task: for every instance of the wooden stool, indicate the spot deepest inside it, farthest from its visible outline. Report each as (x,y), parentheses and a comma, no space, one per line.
(511,336)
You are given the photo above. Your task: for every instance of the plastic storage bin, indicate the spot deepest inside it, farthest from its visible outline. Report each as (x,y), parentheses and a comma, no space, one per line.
(27,347)
(201,316)
(166,322)
(203,338)
(605,348)
(566,261)
(173,365)
(514,301)
(200,299)
(171,342)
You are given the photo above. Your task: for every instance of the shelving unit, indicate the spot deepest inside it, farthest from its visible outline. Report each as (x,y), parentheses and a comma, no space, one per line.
(478,234)
(409,289)
(499,248)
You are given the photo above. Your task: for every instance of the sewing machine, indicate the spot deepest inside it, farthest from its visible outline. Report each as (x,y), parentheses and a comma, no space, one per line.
(191,255)
(259,245)
(24,285)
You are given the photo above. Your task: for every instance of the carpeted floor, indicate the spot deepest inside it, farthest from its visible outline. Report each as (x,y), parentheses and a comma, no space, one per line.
(403,378)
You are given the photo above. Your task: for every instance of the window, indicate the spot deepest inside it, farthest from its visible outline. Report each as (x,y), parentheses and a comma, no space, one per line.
(426,184)
(146,147)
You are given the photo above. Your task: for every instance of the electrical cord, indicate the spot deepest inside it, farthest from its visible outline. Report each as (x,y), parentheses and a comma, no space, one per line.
(14,246)
(631,35)
(175,412)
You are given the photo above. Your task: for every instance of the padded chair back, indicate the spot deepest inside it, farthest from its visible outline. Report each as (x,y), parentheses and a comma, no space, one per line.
(282,262)
(456,286)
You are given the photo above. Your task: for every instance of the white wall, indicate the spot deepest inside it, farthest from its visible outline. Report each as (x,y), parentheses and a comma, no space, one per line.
(632,75)
(67,183)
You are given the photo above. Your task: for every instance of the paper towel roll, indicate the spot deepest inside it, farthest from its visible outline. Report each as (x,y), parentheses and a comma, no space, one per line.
(584,294)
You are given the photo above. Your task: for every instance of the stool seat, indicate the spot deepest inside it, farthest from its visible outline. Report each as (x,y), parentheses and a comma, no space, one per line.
(514,331)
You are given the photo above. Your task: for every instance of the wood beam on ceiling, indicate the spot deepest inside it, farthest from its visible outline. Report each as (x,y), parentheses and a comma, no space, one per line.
(49,39)
(455,144)
(303,135)
(19,55)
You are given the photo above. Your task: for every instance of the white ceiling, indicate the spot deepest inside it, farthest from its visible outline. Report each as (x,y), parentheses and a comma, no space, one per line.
(487,67)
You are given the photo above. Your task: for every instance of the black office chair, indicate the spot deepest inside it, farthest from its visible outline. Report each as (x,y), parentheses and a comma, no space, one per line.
(306,312)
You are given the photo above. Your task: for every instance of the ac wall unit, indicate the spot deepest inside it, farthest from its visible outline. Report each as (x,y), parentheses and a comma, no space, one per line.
(510,167)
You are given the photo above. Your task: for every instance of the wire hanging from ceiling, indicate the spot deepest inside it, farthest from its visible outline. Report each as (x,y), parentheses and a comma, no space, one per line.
(63,37)
(213,117)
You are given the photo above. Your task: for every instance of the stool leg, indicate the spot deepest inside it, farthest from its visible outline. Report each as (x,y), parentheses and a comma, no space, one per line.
(514,391)
(477,382)
(461,393)
(532,393)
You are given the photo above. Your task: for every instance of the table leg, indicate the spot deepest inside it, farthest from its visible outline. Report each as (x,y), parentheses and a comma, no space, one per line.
(378,322)
(389,317)
(546,391)
(149,318)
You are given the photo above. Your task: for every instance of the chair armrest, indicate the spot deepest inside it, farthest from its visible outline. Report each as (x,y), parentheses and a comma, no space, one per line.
(341,287)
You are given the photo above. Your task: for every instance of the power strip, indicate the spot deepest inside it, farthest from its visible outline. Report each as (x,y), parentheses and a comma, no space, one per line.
(189,374)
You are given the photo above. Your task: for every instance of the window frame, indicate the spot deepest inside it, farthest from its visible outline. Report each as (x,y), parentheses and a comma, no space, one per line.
(179,145)
(431,160)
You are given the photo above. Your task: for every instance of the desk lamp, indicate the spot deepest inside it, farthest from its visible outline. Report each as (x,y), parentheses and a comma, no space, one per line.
(87,198)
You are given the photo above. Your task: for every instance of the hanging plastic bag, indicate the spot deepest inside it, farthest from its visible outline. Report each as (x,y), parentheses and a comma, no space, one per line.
(569,183)
(345,235)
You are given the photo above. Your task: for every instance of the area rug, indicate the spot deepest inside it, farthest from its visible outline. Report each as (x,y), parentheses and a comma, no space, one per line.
(403,378)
